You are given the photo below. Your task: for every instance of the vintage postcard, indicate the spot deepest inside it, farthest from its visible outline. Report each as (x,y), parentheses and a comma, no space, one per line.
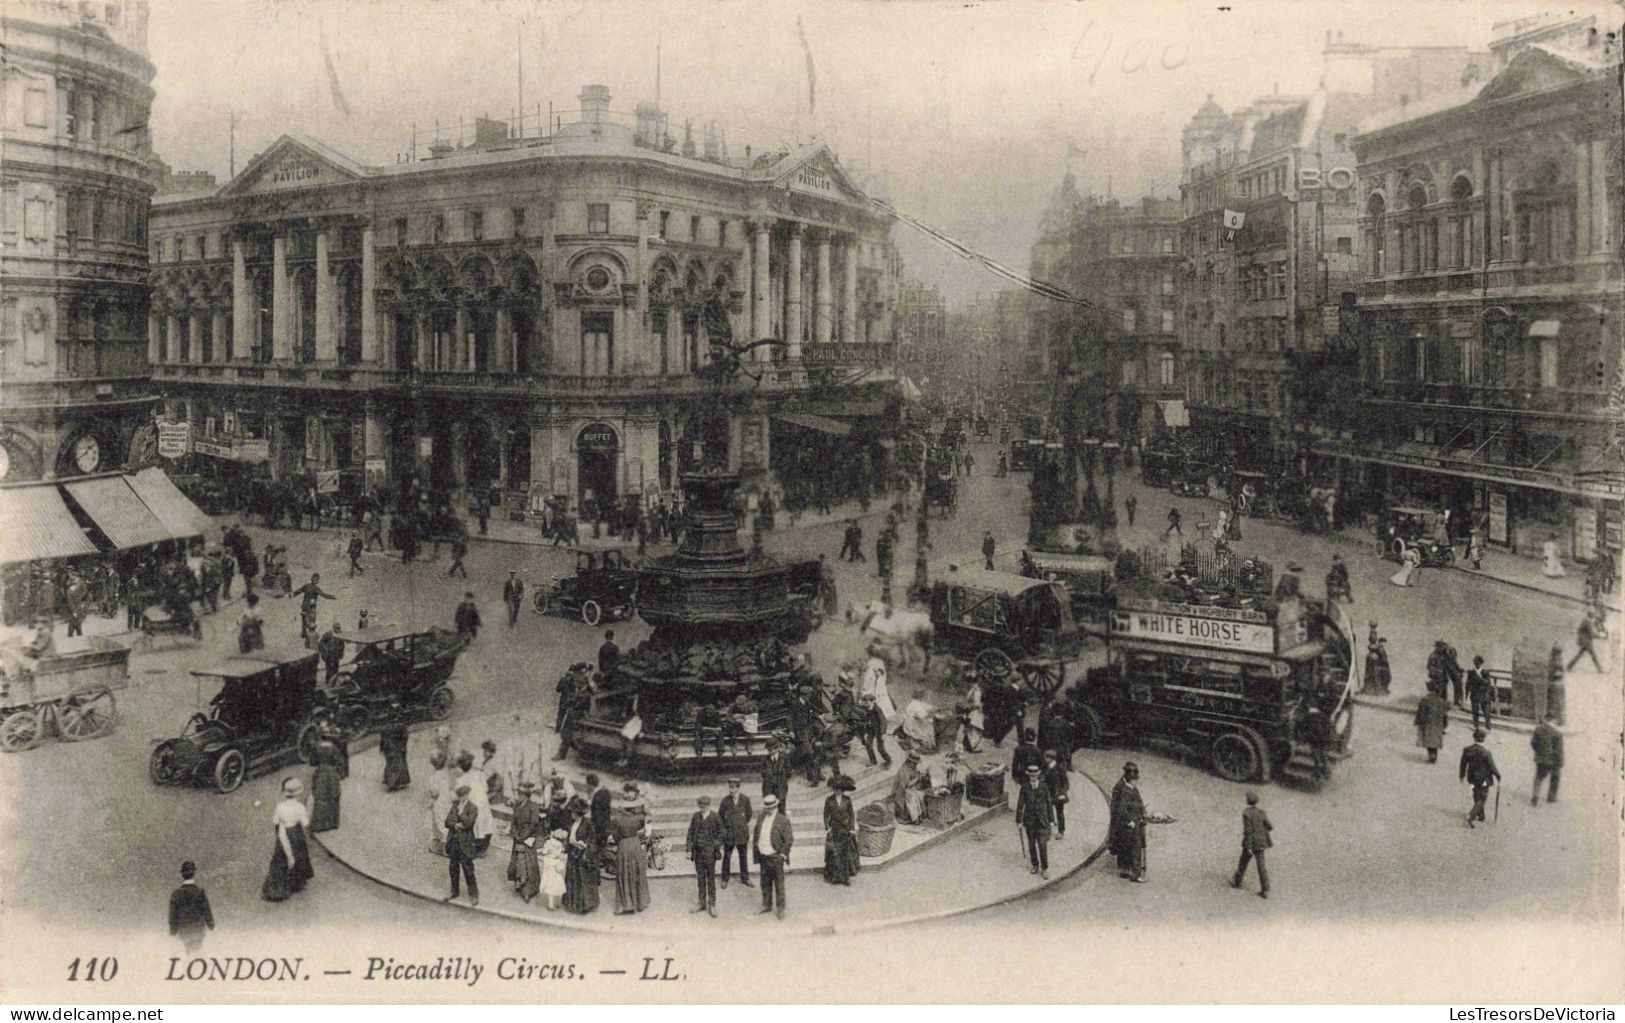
(832,502)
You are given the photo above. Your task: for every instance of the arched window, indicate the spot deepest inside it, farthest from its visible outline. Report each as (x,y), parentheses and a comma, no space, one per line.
(1376,241)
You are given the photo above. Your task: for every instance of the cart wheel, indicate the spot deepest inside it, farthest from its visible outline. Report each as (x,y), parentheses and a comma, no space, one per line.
(1042,676)
(1235,758)
(591,613)
(162,768)
(1091,731)
(20,730)
(229,771)
(87,714)
(440,702)
(995,662)
(310,733)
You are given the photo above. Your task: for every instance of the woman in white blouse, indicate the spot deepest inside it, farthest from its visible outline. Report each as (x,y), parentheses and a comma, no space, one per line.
(290,857)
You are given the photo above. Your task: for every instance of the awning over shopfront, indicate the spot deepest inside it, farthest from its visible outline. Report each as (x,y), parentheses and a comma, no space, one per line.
(1545,328)
(806,421)
(118,511)
(179,516)
(853,409)
(35,524)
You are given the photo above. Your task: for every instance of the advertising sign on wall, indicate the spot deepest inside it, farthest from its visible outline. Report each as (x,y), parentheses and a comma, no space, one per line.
(1498,516)
(174,439)
(1208,627)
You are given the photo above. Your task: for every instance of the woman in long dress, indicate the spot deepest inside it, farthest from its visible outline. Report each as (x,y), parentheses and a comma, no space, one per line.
(1409,562)
(440,802)
(581,877)
(972,720)
(392,741)
(290,856)
(525,830)
(631,869)
(553,866)
(840,834)
(325,786)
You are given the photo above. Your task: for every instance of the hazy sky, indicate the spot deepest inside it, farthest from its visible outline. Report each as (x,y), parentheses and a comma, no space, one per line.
(964,110)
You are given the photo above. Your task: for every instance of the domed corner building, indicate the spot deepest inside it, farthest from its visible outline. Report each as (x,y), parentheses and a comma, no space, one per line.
(76,183)
(531,314)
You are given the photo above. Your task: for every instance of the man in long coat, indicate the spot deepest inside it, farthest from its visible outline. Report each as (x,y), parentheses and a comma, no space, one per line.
(736,814)
(704,844)
(1255,838)
(1126,835)
(1432,719)
(1035,809)
(776,773)
(1547,742)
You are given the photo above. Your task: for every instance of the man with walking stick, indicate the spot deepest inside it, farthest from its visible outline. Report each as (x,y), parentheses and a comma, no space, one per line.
(1478,769)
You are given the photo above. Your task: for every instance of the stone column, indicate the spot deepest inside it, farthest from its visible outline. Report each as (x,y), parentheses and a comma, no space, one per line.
(1492,210)
(640,277)
(194,334)
(369,301)
(424,342)
(241,314)
(1582,199)
(792,300)
(222,351)
(153,327)
(822,325)
(502,355)
(281,335)
(760,290)
(172,336)
(849,294)
(1602,232)
(461,350)
(326,350)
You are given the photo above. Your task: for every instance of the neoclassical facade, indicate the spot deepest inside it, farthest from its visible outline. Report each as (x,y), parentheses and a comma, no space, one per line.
(1491,303)
(536,315)
(75,185)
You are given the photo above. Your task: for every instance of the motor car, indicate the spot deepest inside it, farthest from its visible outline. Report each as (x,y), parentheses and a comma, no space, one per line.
(604,583)
(262,716)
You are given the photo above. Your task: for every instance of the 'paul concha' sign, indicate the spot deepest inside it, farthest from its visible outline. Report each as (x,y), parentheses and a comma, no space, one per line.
(1192,625)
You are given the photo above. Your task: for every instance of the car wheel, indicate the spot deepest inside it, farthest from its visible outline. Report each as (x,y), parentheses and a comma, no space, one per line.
(229,771)
(541,603)
(162,767)
(310,733)
(1235,758)
(440,703)
(591,613)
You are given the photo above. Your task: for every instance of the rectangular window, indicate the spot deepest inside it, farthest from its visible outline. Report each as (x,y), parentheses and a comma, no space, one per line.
(98,219)
(665,224)
(437,231)
(203,246)
(598,218)
(476,225)
(1130,319)
(597,344)
(722,233)
(1168,244)
(93,109)
(400,232)
(694,229)
(1344,246)
(1167,321)
(518,221)
(1167,281)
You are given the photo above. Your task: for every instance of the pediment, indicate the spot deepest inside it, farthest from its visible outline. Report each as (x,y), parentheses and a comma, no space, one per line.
(818,173)
(290,164)
(1533,70)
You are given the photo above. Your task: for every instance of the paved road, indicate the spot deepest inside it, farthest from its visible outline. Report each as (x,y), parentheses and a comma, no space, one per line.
(100,842)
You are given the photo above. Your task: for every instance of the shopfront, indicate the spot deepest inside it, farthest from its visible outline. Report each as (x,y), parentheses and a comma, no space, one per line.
(598,449)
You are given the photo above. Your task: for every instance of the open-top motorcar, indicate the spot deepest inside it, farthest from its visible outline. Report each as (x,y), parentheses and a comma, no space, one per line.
(604,583)
(264,715)
(392,673)
(1402,528)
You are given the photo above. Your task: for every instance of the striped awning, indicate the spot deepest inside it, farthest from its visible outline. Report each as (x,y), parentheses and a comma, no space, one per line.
(179,515)
(117,511)
(35,524)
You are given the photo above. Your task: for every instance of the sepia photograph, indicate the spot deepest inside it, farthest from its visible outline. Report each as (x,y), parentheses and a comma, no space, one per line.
(552,502)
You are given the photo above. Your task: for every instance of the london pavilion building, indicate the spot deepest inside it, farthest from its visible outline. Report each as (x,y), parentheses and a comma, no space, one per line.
(529,313)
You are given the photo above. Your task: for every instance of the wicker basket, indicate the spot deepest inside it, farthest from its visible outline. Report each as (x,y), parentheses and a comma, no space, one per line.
(875,841)
(944,808)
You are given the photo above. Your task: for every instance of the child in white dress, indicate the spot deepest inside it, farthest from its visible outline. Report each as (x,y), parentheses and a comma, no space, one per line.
(552,857)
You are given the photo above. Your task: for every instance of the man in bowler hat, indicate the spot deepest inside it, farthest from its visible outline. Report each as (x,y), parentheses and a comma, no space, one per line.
(1034,812)
(704,845)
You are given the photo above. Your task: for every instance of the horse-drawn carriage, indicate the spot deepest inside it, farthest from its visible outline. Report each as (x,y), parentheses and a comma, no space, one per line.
(1006,624)
(603,582)
(392,674)
(69,692)
(264,715)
